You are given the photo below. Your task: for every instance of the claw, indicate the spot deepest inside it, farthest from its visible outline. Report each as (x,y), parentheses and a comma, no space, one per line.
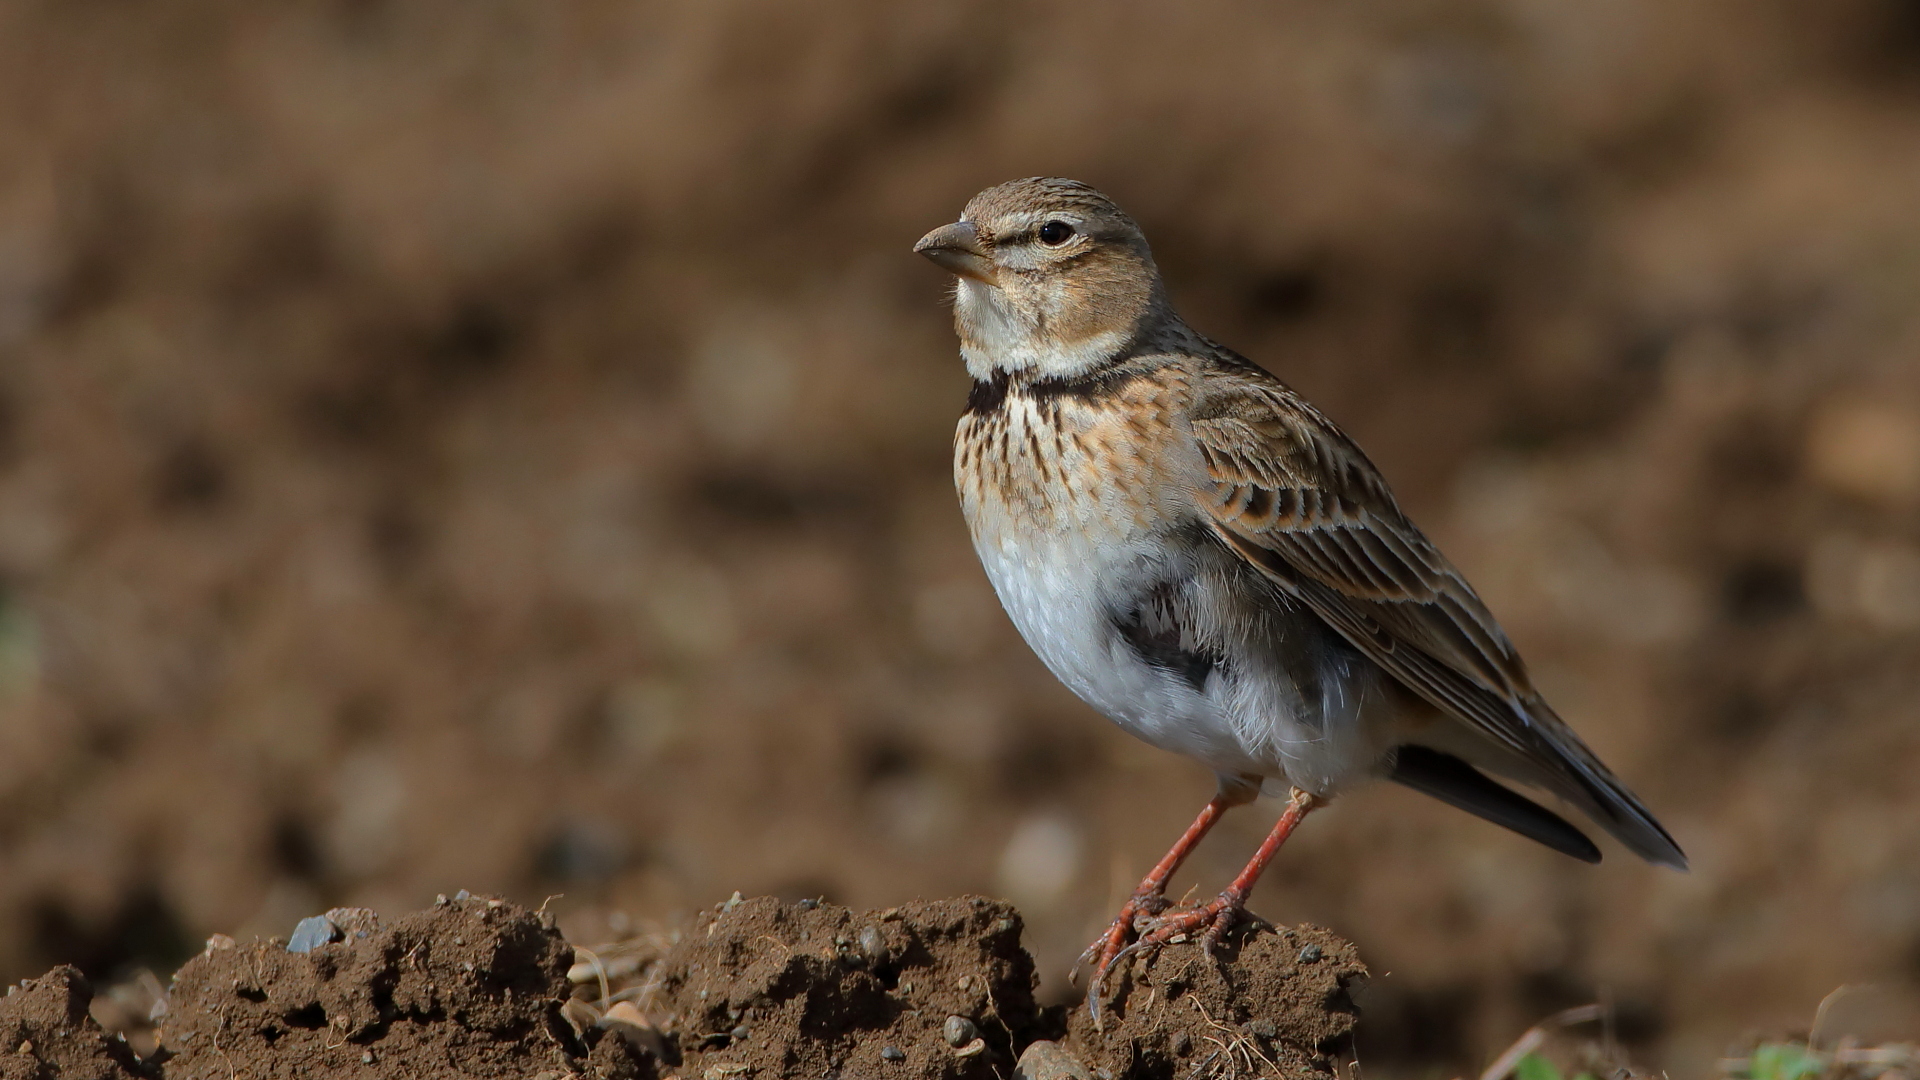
(1142,915)
(1207,921)
(1142,905)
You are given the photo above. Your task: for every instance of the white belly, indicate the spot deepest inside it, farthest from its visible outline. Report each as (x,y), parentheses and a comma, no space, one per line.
(1253,717)
(1054,596)
(1076,548)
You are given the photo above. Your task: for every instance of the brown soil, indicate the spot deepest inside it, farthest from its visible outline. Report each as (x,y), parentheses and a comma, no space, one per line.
(474,989)
(812,989)
(507,446)
(1271,1001)
(46,1034)
(469,987)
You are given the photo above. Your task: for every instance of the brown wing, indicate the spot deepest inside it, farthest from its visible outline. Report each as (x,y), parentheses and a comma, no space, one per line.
(1289,492)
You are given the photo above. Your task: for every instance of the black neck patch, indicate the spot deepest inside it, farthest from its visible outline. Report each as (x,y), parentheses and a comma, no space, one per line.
(989,394)
(1098,384)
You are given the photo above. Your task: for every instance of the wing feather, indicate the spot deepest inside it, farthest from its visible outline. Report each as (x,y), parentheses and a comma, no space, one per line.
(1289,492)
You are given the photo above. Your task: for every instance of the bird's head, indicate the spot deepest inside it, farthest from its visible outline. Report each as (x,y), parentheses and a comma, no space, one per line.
(1054,279)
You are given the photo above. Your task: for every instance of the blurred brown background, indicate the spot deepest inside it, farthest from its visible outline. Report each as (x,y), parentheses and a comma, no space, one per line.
(505,446)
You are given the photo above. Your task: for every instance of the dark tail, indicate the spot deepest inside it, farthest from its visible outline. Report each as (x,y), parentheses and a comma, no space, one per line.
(1457,783)
(1584,781)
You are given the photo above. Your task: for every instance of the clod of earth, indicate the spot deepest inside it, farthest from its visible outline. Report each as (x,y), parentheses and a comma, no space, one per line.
(826,990)
(754,989)
(1275,1002)
(45,1032)
(469,988)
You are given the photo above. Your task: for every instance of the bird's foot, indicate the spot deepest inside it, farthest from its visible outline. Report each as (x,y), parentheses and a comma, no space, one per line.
(1139,910)
(1206,921)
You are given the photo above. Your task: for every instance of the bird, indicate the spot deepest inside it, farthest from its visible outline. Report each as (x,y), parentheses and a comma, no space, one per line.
(1205,558)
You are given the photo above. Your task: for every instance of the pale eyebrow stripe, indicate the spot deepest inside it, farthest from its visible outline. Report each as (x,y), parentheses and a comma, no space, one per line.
(1027,226)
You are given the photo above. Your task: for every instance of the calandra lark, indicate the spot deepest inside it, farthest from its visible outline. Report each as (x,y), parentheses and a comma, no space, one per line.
(1203,557)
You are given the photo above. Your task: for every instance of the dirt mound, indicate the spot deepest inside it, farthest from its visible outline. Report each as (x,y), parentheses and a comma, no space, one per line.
(1271,1002)
(941,989)
(467,988)
(45,1033)
(477,988)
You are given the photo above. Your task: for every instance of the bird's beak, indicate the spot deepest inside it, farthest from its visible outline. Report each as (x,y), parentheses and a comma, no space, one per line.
(957,248)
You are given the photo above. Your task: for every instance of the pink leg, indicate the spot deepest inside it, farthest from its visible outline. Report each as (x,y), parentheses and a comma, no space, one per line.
(1209,920)
(1150,896)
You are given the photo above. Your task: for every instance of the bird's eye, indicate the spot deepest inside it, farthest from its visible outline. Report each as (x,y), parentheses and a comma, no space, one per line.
(1055,233)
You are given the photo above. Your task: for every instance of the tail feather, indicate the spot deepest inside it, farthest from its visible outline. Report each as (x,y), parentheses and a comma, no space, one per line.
(1585,781)
(1621,813)
(1459,784)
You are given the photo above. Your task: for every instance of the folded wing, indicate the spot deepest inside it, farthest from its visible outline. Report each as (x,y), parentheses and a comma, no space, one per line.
(1296,498)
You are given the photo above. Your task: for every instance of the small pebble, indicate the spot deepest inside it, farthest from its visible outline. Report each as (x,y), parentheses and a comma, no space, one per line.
(959,1031)
(1183,1044)
(1264,1029)
(893,1053)
(738,1034)
(1310,953)
(366,1058)
(463,895)
(808,904)
(873,944)
(1004,926)
(313,932)
(979,901)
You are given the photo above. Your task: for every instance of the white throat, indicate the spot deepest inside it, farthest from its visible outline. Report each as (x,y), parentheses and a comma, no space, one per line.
(997,337)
